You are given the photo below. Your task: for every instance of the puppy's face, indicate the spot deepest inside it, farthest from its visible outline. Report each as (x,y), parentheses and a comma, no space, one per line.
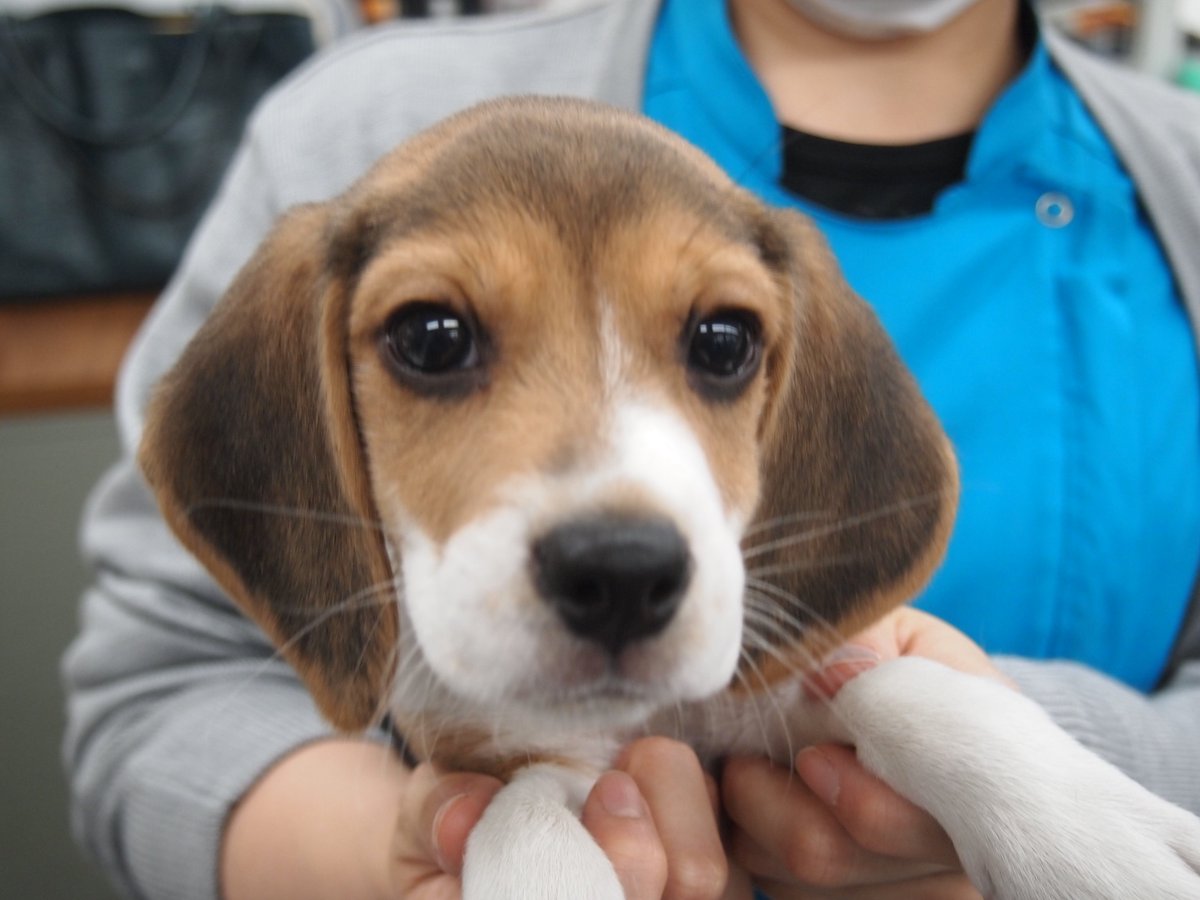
(561,423)
(565,366)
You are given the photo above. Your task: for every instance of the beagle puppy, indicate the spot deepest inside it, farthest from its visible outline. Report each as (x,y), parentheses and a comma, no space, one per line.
(544,436)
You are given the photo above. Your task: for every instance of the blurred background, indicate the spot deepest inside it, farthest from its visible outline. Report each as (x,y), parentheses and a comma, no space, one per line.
(65,322)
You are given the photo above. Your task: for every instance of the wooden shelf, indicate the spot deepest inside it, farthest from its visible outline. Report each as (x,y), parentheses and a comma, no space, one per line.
(63,353)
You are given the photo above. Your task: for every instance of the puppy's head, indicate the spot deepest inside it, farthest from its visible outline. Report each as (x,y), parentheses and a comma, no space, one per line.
(546,415)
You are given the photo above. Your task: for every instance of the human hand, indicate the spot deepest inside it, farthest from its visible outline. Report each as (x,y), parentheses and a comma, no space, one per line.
(836,831)
(654,816)
(903,632)
(344,818)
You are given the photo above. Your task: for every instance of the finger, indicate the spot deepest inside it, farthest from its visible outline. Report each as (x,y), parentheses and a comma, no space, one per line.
(682,798)
(740,885)
(619,820)
(782,832)
(932,887)
(878,818)
(903,632)
(786,833)
(438,813)
(918,633)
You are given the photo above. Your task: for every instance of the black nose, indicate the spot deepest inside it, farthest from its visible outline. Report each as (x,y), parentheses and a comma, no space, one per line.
(613,579)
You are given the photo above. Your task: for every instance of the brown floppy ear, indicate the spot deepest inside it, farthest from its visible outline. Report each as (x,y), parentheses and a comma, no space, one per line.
(252,448)
(859,483)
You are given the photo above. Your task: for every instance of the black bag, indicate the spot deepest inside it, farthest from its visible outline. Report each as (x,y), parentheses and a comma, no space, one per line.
(115,130)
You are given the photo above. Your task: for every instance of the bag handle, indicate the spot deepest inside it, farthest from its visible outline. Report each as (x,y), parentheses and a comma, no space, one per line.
(52,112)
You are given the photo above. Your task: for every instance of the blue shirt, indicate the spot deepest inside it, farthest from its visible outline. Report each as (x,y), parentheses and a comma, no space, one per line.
(1038,313)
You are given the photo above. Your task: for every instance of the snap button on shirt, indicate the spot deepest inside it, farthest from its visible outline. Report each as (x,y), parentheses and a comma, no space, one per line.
(1054,210)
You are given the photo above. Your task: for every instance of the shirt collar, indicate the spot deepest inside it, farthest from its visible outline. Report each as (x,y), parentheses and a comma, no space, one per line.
(704,49)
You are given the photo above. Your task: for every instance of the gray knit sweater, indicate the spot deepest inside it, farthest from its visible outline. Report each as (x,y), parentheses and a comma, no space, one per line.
(176,703)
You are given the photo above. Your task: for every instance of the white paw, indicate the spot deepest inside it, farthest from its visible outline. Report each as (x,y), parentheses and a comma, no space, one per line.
(530,845)
(1086,831)
(1033,815)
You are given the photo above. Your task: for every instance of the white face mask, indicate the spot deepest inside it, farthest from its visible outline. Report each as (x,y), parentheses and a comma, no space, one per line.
(879,19)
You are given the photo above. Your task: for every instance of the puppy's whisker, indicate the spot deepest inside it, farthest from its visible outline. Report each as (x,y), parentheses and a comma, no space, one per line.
(681,730)
(801,670)
(761,650)
(406,670)
(769,649)
(844,524)
(364,599)
(377,596)
(794,612)
(782,629)
(383,704)
(768,694)
(801,663)
(782,521)
(361,662)
(264,665)
(808,565)
(282,511)
(423,688)
(811,658)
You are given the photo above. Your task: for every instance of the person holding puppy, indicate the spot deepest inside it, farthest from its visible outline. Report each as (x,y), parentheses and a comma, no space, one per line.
(1008,204)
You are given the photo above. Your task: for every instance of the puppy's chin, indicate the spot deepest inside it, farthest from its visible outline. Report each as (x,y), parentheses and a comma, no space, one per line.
(605,706)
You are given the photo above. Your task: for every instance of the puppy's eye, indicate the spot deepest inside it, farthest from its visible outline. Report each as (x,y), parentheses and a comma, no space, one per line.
(723,353)
(431,346)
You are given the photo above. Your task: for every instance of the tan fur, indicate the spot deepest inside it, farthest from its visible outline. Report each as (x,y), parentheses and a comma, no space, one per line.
(541,404)
(546,221)
(465,748)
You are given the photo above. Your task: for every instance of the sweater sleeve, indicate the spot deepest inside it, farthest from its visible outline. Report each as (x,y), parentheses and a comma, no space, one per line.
(176,702)
(1152,738)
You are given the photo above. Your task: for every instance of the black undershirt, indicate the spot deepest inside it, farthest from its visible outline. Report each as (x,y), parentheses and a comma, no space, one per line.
(871,181)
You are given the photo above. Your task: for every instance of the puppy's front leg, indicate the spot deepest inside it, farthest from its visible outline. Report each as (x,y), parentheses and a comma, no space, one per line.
(530,844)
(1032,814)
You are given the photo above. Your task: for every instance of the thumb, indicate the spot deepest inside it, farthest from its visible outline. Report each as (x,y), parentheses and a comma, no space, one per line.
(920,634)
(619,820)
(437,815)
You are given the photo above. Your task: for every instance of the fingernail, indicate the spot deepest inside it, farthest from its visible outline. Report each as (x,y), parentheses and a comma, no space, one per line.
(819,774)
(852,655)
(620,797)
(837,668)
(438,817)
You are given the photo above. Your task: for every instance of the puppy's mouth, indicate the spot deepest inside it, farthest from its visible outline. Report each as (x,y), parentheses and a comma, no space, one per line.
(583,676)
(610,689)
(607,700)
